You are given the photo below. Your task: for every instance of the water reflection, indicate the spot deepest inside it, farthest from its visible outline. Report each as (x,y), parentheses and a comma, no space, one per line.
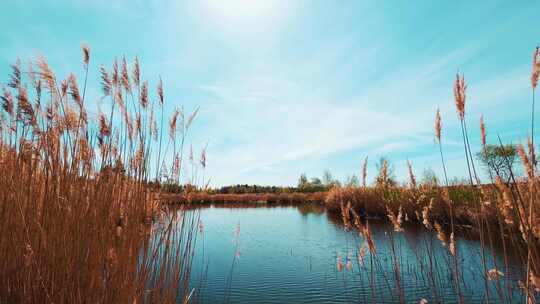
(249,253)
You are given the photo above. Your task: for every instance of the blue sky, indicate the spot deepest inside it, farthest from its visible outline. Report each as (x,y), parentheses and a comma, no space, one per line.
(291,87)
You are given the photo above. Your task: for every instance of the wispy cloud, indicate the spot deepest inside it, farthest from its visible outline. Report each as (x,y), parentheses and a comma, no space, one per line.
(272,121)
(291,87)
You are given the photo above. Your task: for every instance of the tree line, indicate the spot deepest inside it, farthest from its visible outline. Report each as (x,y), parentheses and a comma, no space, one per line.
(497,160)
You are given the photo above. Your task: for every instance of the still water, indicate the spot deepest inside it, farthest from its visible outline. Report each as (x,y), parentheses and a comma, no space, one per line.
(301,254)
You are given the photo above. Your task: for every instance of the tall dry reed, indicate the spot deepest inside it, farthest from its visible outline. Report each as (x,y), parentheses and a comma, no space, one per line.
(77,215)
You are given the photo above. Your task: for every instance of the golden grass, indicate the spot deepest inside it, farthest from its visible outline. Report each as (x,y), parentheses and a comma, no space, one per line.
(76,214)
(198,198)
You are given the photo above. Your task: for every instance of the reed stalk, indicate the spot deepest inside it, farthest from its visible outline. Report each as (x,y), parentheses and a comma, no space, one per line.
(83,228)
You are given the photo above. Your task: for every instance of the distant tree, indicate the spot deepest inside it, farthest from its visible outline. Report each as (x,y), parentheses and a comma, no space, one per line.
(455,181)
(429,177)
(241,189)
(303,182)
(385,176)
(312,185)
(316,182)
(352,181)
(327,178)
(498,160)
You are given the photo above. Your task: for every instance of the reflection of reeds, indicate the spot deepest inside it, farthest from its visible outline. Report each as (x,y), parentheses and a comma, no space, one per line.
(81,229)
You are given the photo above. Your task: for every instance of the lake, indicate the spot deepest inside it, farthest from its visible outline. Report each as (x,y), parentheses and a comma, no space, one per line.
(302,254)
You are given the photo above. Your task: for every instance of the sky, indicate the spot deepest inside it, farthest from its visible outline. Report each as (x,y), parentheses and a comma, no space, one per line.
(292,87)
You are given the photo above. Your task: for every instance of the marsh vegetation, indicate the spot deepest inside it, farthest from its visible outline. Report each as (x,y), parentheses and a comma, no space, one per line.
(79,222)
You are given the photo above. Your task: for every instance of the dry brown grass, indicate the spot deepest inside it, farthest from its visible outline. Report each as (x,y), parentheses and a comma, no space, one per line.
(76,214)
(508,211)
(198,198)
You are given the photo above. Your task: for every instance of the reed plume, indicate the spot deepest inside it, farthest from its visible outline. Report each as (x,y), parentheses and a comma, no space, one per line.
(382,179)
(115,75)
(438,129)
(144,95)
(438,125)
(74,90)
(172,123)
(46,74)
(535,71)
(106,83)
(64,86)
(203,158)
(153,126)
(160,91)
(425,218)
(364,172)
(527,165)
(104,130)
(7,102)
(396,220)
(86,54)
(16,75)
(125,76)
(136,72)
(26,112)
(534,82)
(191,118)
(460,95)
(483,132)
(119,100)
(506,204)
(412,178)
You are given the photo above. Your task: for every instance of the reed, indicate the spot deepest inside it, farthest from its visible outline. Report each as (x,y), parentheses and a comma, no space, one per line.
(508,208)
(77,214)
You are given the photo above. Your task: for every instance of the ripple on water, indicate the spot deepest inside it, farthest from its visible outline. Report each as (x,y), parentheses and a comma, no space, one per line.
(290,257)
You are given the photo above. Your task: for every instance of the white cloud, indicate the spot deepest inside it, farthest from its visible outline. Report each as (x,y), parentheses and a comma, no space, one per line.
(272,121)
